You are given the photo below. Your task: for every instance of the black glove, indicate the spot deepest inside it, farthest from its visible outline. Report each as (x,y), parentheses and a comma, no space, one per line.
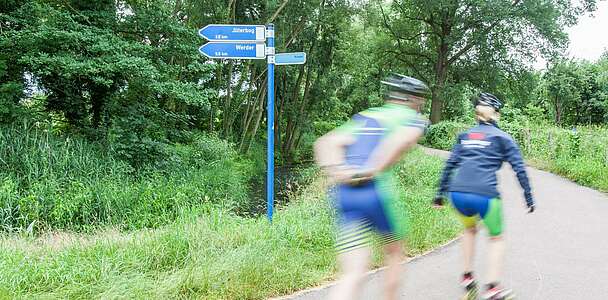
(531,207)
(438,200)
(362,177)
(530,202)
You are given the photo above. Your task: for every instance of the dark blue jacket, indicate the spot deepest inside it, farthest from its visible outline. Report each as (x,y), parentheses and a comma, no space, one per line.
(477,155)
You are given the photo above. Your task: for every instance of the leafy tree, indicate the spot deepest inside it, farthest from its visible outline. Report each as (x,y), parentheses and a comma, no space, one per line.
(562,81)
(106,64)
(577,92)
(448,41)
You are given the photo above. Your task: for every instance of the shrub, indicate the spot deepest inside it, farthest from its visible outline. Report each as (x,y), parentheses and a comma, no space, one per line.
(443,135)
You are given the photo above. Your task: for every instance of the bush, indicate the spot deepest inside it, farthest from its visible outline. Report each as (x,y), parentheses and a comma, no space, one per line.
(50,182)
(138,137)
(10,93)
(443,135)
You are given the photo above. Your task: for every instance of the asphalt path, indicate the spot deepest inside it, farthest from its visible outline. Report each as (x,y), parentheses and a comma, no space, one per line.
(558,252)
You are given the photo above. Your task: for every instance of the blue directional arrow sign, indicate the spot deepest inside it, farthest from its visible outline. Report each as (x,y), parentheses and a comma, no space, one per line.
(231,41)
(234,50)
(233,33)
(295,58)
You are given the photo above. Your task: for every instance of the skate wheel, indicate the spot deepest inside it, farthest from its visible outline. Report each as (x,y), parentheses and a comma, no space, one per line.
(470,295)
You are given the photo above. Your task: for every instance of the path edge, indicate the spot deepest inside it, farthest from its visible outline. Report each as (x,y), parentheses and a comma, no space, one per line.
(326,285)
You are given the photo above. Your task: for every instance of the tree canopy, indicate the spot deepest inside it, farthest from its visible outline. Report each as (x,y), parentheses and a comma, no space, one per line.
(128,74)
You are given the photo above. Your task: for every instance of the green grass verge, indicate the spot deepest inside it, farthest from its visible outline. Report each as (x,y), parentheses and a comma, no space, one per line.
(581,155)
(216,256)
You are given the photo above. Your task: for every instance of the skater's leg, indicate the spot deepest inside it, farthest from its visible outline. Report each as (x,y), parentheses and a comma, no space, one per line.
(353,266)
(394,256)
(466,206)
(495,258)
(392,224)
(468,247)
(493,221)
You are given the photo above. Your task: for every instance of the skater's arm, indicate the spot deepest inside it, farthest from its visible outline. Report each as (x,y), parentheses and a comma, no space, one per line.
(513,156)
(329,150)
(393,147)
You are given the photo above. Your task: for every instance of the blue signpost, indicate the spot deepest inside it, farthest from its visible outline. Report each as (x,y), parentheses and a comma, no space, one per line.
(233,33)
(270,118)
(234,50)
(247,42)
(295,58)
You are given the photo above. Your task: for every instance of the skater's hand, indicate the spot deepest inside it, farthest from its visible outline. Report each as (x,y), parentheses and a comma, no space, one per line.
(351,175)
(531,208)
(340,174)
(362,176)
(438,201)
(530,202)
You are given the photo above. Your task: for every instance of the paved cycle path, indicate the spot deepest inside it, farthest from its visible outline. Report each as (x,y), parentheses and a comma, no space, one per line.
(558,252)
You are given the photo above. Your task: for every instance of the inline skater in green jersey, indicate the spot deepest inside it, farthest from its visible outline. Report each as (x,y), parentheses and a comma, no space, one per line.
(357,157)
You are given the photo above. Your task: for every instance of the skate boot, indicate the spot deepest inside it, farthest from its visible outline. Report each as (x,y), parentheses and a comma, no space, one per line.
(498,293)
(470,287)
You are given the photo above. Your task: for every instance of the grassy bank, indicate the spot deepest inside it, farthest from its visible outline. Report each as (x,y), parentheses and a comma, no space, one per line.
(579,154)
(54,182)
(214,256)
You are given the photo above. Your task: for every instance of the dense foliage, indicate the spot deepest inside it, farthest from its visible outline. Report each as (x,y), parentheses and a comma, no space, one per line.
(122,84)
(127,157)
(577,92)
(448,42)
(109,114)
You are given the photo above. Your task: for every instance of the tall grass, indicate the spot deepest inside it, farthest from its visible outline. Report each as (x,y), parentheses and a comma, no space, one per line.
(215,256)
(51,182)
(580,153)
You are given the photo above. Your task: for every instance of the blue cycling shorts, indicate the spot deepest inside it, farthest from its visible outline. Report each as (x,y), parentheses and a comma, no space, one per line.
(365,209)
(472,207)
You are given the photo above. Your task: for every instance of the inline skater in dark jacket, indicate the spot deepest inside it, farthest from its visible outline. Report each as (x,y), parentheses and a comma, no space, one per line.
(469,179)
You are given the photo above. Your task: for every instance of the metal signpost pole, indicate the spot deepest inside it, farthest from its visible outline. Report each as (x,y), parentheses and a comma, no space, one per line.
(230,41)
(270,155)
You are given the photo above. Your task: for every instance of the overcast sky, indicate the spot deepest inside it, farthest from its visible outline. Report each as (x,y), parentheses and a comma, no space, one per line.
(589,38)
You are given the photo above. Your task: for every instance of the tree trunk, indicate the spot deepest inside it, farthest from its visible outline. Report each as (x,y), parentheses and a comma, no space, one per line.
(251,116)
(276,118)
(211,117)
(300,134)
(441,73)
(257,123)
(233,109)
(218,77)
(251,105)
(558,112)
(228,100)
(97,103)
(245,116)
(291,117)
(281,108)
(436,105)
(299,117)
